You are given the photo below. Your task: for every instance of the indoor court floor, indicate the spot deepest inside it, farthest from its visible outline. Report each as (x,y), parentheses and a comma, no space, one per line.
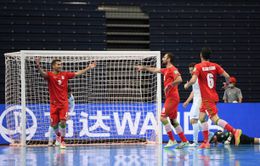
(134,155)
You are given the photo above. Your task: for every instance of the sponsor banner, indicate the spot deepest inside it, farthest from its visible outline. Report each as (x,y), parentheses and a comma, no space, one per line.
(111,121)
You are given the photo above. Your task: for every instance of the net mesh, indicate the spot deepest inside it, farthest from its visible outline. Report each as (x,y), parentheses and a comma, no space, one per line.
(113,102)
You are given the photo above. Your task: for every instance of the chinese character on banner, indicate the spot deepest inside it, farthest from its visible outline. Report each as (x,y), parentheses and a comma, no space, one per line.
(86,130)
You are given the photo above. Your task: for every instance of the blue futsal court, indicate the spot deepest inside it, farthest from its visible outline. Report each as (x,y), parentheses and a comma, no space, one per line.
(134,155)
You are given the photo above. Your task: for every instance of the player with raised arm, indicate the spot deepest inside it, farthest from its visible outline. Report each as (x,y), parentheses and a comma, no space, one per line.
(58,90)
(206,72)
(172,79)
(195,108)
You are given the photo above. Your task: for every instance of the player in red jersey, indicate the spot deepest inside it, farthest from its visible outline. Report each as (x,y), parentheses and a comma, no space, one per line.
(206,72)
(58,90)
(172,79)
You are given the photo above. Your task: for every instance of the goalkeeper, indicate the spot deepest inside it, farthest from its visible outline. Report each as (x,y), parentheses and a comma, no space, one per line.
(58,90)
(227,138)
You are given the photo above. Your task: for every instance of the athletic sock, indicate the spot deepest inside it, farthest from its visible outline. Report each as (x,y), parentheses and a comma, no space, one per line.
(56,130)
(62,131)
(51,132)
(225,125)
(205,131)
(195,127)
(179,131)
(169,131)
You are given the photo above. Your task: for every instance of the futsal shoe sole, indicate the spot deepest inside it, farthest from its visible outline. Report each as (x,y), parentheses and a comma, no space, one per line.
(237,136)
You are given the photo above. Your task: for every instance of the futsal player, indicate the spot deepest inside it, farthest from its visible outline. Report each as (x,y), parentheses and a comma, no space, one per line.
(227,138)
(71,109)
(195,108)
(172,79)
(206,72)
(58,91)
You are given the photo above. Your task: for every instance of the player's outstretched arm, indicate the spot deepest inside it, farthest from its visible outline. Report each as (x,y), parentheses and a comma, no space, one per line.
(226,75)
(149,69)
(191,82)
(42,72)
(90,66)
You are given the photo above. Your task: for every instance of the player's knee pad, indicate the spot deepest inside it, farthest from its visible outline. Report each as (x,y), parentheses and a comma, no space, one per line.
(174,122)
(202,121)
(62,124)
(216,123)
(164,120)
(55,126)
(194,121)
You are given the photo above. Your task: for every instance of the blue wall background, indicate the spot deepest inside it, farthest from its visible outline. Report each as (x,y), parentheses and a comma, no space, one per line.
(244,116)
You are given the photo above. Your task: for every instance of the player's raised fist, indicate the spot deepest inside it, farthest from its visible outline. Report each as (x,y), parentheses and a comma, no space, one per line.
(92,65)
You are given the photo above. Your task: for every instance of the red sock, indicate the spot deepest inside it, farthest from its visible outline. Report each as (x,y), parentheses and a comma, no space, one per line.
(170,135)
(206,136)
(182,136)
(229,128)
(58,134)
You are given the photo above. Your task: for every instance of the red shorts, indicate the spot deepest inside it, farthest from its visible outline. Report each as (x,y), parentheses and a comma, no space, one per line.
(170,108)
(58,113)
(209,107)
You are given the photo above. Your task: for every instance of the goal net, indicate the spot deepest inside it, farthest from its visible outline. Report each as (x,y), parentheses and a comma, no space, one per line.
(114,103)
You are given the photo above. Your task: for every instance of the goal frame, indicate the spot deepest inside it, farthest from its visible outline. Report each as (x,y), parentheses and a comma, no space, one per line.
(32,53)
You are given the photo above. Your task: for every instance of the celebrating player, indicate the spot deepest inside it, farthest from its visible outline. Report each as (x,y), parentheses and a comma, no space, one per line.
(227,138)
(206,72)
(58,90)
(194,111)
(172,79)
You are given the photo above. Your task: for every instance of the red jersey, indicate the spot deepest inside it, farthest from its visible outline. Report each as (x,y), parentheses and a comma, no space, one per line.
(170,74)
(207,75)
(58,87)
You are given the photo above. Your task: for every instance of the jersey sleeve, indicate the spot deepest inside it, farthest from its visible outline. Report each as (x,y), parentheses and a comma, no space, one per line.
(176,73)
(70,75)
(220,70)
(196,70)
(163,71)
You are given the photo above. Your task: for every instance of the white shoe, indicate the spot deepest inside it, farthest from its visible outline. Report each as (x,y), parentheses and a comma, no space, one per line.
(63,145)
(58,141)
(171,144)
(182,145)
(50,143)
(193,144)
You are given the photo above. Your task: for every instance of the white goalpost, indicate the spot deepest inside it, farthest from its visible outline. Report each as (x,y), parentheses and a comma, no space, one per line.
(114,103)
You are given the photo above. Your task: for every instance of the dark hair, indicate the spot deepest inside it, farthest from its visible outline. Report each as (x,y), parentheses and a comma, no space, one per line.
(219,135)
(54,61)
(171,56)
(206,52)
(192,64)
